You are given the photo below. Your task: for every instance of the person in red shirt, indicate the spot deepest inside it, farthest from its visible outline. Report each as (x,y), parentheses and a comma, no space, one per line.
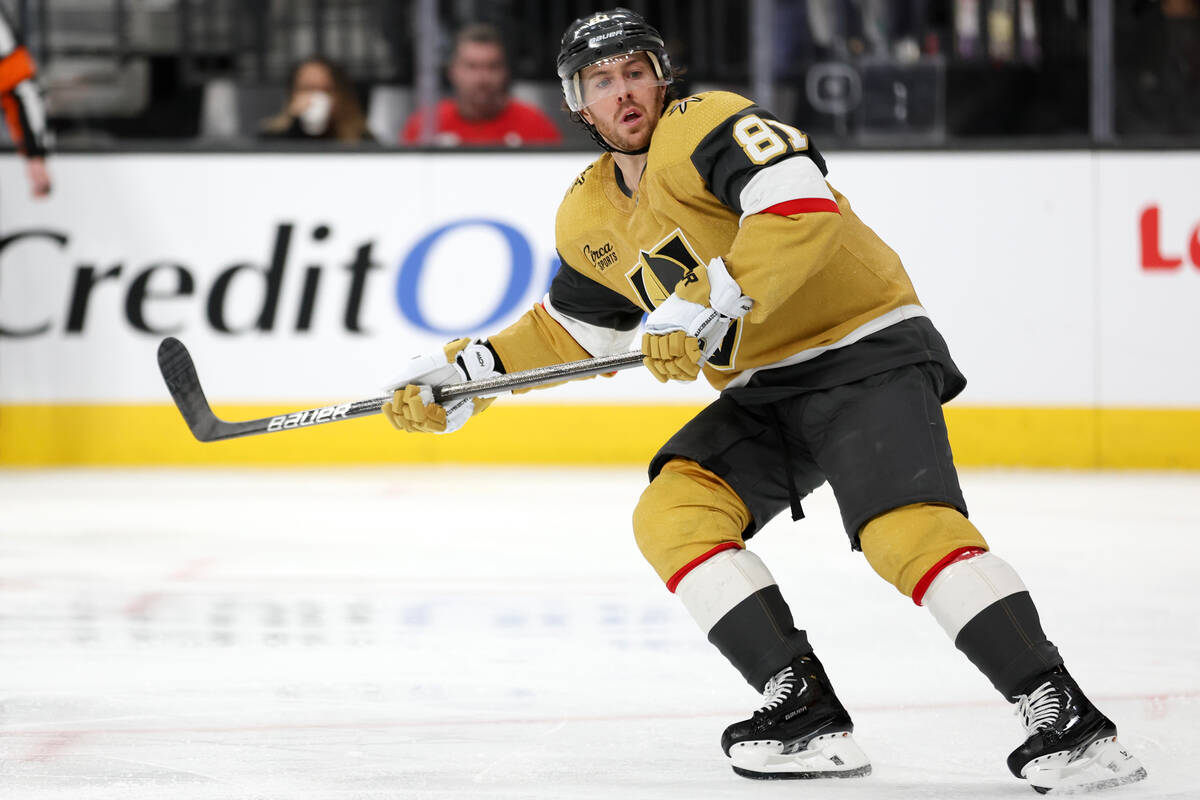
(481,112)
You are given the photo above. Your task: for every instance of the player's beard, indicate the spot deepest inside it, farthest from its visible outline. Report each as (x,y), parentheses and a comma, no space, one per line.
(629,138)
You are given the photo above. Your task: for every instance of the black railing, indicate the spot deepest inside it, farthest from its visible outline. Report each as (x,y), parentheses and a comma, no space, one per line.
(937,78)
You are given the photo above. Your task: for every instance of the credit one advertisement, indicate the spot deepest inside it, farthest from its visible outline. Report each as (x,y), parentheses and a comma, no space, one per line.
(1058,278)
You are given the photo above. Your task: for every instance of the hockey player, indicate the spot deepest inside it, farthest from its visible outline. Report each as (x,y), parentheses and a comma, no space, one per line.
(715,217)
(23,106)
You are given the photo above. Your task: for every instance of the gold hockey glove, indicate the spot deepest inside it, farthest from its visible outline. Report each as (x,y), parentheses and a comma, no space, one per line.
(412,409)
(689,325)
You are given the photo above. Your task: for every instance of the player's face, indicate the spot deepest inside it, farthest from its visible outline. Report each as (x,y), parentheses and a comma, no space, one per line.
(623,98)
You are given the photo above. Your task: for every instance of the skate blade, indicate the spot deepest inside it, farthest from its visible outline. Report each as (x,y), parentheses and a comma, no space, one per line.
(835,755)
(1102,765)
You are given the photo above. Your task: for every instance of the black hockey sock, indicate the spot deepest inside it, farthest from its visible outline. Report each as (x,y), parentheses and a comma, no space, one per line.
(758,636)
(1006,642)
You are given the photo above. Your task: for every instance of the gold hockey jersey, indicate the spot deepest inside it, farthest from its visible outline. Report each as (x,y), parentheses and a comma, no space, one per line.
(725,178)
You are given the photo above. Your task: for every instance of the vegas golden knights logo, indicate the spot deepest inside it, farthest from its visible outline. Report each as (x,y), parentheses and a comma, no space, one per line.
(659,270)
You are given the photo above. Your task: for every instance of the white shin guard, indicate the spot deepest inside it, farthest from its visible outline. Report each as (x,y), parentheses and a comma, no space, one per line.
(712,589)
(965,588)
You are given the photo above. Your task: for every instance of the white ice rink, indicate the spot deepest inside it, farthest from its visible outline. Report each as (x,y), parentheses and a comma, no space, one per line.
(494,633)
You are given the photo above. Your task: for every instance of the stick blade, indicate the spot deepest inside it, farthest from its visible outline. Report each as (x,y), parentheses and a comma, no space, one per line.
(179,373)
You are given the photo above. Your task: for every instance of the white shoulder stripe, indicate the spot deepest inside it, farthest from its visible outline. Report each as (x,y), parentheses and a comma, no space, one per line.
(715,587)
(597,340)
(965,588)
(794,178)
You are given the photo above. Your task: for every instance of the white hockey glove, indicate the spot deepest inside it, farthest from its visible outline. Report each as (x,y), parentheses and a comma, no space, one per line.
(688,327)
(412,409)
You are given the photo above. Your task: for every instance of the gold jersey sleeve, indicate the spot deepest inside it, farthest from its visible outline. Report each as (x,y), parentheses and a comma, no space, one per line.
(535,340)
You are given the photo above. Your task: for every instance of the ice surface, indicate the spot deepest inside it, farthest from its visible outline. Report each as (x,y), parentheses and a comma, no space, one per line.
(494,633)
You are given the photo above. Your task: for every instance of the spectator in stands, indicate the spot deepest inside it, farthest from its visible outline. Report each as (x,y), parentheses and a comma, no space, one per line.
(481,112)
(322,105)
(23,105)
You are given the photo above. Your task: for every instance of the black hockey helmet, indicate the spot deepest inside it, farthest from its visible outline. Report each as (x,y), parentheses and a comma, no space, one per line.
(603,35)
(607,34)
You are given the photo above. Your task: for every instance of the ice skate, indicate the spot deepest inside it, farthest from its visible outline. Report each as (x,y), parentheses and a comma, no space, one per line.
(1072,747)
(801,731)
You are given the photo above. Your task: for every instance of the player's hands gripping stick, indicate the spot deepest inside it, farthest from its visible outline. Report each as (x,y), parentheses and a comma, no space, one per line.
(683,332)
(412,408)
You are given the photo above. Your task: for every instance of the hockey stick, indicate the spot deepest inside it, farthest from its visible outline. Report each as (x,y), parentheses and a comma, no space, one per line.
(183,383)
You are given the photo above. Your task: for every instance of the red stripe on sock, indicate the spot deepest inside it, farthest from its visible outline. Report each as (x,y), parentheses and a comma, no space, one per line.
(802,205)
(695,562)
(961,554)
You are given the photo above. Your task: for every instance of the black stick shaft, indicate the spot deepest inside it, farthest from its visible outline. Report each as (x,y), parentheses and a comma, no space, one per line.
(179,373)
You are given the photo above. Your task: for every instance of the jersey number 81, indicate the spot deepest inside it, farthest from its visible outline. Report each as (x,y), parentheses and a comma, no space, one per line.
(761,144)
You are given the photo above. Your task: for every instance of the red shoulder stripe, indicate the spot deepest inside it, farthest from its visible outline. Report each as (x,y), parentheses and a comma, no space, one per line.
(802,205)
